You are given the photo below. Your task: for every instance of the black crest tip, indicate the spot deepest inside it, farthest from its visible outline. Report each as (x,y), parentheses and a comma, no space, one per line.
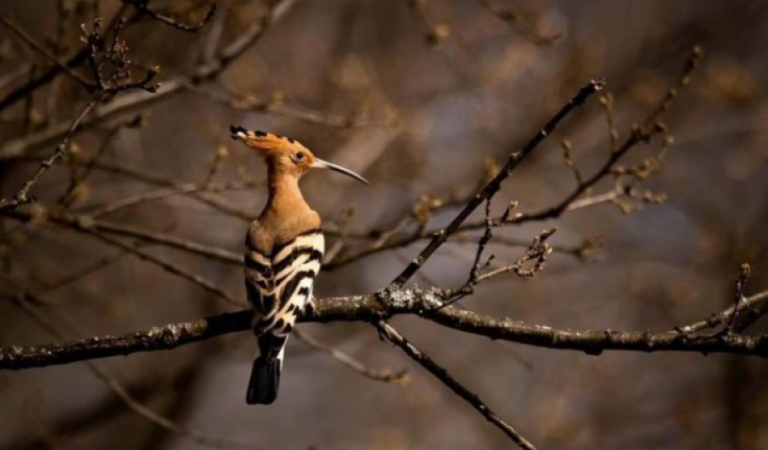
(237,131)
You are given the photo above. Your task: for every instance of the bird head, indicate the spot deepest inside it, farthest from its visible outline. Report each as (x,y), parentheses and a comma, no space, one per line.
(286,155)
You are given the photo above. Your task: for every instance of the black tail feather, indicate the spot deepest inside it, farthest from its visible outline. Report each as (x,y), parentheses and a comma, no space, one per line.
(265,381)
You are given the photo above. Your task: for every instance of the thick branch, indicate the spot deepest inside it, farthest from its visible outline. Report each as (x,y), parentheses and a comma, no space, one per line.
(384,304)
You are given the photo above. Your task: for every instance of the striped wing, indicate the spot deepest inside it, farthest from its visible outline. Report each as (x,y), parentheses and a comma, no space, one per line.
(280,284)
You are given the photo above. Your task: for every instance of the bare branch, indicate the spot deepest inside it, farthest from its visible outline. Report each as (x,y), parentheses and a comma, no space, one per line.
(131,401)
(77,180)
(157,194)
(757,304)
(38,47)
(23,196)
(537,251)
(143,6)
(516,23)
(153,416)
(741,284)
(171,268)
(49,75)
(275,104)
(400,377)
(640,134)
(85,223)
(643,133)
(79,274)
(495,184)
(116,80)
(442,374)
(384,304)
(130,103)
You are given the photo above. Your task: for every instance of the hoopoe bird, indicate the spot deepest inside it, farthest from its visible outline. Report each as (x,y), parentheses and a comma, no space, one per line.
(284,249)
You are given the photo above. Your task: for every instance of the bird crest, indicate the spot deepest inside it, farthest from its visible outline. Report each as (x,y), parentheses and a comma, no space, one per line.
(285,153)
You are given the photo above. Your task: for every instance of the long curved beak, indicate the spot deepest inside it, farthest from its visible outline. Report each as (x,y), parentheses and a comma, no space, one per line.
(320,164)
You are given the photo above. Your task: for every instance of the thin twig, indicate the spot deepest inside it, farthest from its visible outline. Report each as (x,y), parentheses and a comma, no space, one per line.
(117,79)
(85,223)
(643,133)
(613,134)
(79,274)
(442,374)
(517,24)
(400,377)
(143,6)
(78,179)
(23,196)
(215,32)
(32,43)
(171,268)
(757,303)
(157,194)
(640,134)
(218,160)
(495,184)
(537,251)
(741,284)
(129,103)
(240,102)
(205,197)
(48,76)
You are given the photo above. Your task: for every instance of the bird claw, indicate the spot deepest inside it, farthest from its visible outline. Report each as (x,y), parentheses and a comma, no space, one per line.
(309,307)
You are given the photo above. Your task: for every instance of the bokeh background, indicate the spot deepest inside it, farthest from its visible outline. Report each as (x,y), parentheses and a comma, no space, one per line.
(421,98)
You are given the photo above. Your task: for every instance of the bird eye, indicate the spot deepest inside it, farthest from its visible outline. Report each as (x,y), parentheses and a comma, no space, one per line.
(299,156)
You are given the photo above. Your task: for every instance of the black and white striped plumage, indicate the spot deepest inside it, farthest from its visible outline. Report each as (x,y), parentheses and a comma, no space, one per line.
(279,284)
(283,252)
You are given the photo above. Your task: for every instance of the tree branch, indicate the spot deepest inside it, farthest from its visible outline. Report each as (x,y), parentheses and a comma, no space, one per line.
(23,196)
(32,43)
(441,374)
(494,185)
(85,223)
(384,304)
(49,75)
(139,100)
(399,377)
(143,7)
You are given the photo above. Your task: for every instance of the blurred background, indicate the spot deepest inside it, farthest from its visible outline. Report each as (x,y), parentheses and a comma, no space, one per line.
(424,99)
